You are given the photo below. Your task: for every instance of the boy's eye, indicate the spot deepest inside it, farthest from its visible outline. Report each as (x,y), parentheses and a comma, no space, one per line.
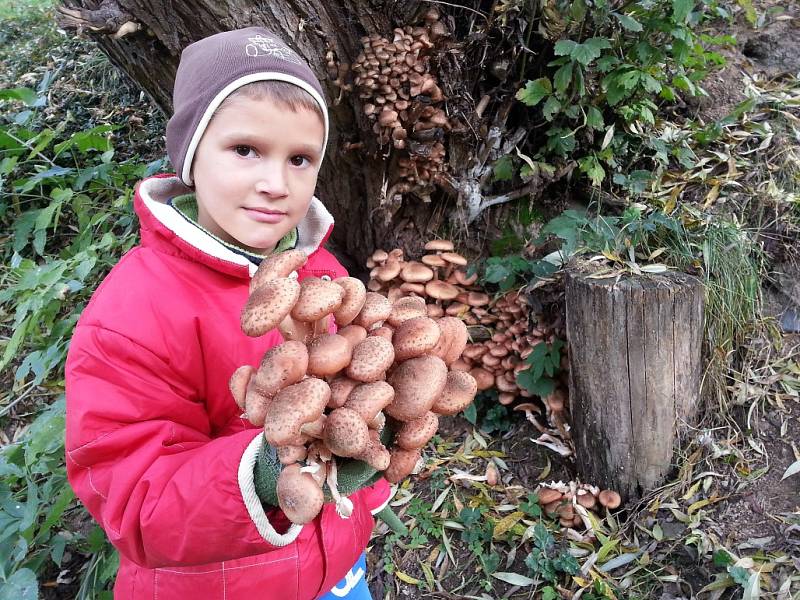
(242,150)
(299,161)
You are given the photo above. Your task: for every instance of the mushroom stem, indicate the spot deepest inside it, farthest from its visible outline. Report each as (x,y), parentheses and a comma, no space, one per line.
(344,506)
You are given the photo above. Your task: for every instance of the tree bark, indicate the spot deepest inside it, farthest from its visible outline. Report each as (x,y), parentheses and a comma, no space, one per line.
(635,374)
(144,39)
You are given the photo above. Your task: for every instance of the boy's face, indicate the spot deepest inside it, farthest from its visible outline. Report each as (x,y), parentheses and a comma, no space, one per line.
(255,171)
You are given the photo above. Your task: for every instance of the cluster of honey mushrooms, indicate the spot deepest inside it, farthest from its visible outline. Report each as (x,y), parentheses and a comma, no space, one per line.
(440,277)
(322,395)
(401,97)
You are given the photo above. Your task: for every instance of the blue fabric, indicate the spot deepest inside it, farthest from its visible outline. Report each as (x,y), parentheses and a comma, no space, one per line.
(354,585)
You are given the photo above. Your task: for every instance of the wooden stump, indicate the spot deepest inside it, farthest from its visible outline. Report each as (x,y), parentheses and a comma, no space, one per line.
(635,374)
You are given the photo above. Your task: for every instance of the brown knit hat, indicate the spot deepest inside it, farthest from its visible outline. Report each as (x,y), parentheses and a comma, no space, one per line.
(211,68)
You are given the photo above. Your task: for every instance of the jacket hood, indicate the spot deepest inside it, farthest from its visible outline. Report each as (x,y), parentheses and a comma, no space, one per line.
(158,217)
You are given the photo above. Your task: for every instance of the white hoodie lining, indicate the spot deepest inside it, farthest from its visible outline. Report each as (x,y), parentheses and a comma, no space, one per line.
(156,192)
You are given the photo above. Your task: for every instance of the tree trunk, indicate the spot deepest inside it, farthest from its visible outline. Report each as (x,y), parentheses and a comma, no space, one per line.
(635,373)
(362,180)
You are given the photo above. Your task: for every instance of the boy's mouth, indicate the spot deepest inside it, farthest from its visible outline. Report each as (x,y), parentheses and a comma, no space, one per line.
(264,215)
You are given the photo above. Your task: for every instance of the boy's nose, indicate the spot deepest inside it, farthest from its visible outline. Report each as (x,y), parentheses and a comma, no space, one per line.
(272,180)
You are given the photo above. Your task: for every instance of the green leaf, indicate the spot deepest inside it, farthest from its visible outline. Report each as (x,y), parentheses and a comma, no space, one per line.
(749,11)
(628,22)
(548,593)
(594,119)
(503,169)
(564,47)
(26,95)
(651,84)
(593,169)
(551,108)
(22,585)
(589,50)
(563,78)
(535,91)
(681,9)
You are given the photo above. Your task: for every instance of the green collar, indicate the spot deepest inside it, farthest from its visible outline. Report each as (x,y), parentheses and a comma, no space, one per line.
(186,205)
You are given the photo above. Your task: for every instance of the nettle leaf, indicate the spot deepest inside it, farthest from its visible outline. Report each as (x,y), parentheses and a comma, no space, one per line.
(628,22)
(534,91)
(563,78)
(589,50)
(606,63)
(594,119)
(551,108)
(593,169)
(503,169)
(565,47)
(681,9)
(650,83)
(560,141)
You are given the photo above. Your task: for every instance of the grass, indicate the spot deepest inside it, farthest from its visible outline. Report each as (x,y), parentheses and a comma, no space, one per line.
(23,9)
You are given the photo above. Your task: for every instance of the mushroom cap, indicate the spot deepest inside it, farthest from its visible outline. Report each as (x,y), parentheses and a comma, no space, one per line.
(440,245)
(433,260)
(383,331)
(353,334)
(506,398)
(281,366)
(388,271)
(299,496)
(454,259)
(401,464)
(416,433)
(610,499)
(477,299)
(238,383)
(416,272)
(441,290)
(368,399)
(434,311)
(340,390)
(292,407)
(548,495)
(376,308)
(354,295)
(375,454)
(415,337)
(459,392)
(586,499)
(483,378)
(289,455)
(379,256)
(277,266)
(328,354)
(268,305)
(346,433)
(371,358)
(414,288)
(453,340)
(256,405)
(406,308)
(462,279)
(417,383)
(317,299)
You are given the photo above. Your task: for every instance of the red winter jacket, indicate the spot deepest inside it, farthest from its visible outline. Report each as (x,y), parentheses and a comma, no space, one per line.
(156,447)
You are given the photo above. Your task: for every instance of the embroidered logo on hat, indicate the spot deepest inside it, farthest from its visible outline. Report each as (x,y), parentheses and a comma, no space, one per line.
(263,46)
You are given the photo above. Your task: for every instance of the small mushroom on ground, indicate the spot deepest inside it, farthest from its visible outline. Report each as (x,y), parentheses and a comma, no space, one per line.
(610,499)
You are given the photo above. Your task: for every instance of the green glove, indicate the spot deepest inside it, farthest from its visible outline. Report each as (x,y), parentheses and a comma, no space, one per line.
(352,475)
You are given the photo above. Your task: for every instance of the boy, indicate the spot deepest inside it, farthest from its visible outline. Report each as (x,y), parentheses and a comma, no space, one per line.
(157,449)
